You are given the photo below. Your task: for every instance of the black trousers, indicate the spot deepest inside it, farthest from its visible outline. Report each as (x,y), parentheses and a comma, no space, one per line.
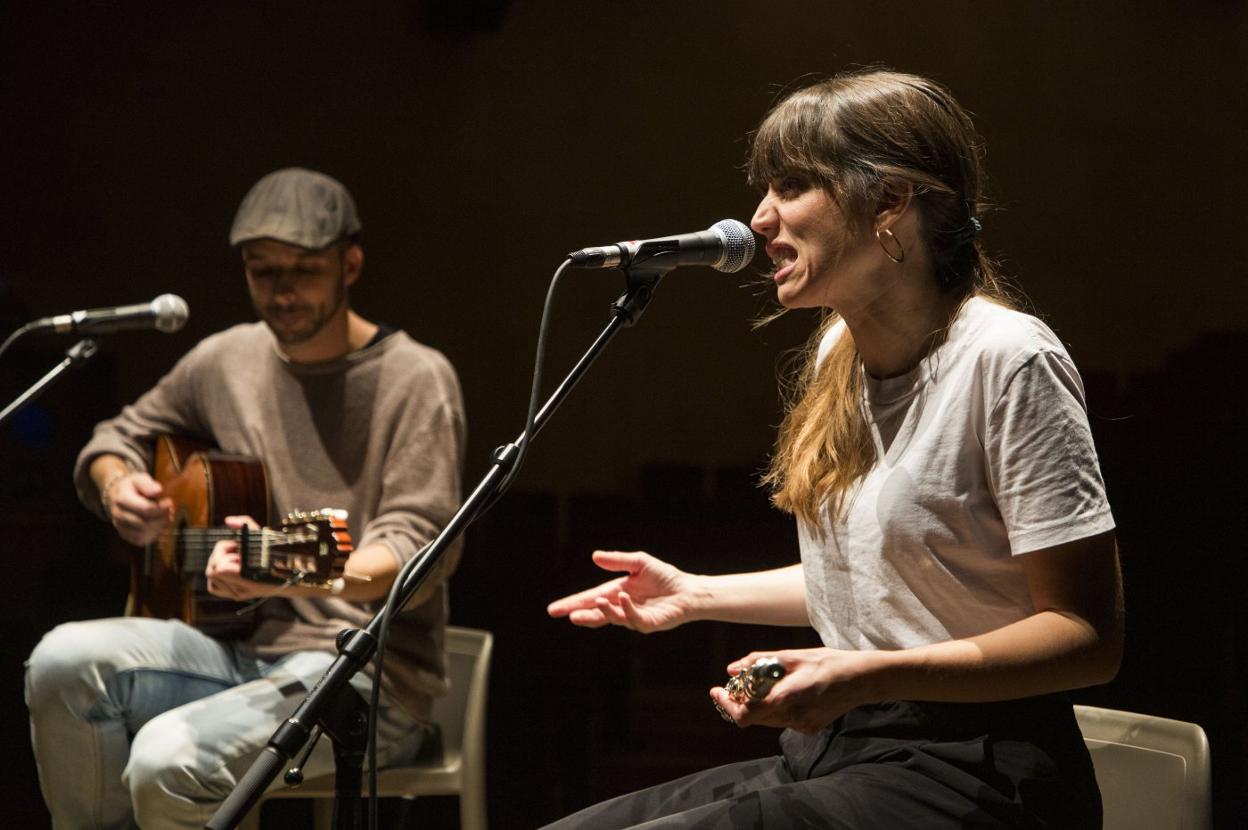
(1015,764)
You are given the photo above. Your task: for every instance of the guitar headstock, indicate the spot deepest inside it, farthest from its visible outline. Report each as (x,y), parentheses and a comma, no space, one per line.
(312,546)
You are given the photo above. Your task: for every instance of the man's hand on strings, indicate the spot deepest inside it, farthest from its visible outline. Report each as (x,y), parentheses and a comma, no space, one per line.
(138,507)
(224,570)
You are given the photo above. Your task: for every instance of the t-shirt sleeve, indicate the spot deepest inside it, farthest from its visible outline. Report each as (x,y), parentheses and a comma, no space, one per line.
(1041,461)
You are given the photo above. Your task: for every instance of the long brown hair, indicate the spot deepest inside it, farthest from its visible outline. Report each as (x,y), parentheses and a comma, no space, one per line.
(851,135)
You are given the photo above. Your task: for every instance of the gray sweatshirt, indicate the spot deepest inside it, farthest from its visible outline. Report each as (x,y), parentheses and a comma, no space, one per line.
(379,432)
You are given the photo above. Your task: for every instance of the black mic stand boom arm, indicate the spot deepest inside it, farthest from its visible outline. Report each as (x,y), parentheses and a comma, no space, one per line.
(356,648)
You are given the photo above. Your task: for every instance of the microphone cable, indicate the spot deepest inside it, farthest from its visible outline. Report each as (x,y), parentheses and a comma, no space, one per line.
(522,449)
(12,338)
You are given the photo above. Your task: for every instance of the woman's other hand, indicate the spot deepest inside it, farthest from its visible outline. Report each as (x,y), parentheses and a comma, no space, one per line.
(819,685)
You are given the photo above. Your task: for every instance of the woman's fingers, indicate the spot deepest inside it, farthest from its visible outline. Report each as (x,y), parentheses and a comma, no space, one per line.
(747,661)
(612,612)
(587,618)
(632,614)
(583,599)
(728,707)
(609,603)
(630,562)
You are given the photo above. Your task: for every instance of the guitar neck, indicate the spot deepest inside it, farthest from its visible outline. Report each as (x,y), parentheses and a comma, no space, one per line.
(195,544)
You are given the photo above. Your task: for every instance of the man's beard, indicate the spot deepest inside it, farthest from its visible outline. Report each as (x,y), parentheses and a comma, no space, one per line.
(317,318)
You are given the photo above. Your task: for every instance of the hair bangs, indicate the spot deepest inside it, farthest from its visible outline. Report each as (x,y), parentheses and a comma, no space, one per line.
(794,139)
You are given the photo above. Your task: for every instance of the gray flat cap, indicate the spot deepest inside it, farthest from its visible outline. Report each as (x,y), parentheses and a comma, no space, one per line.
(296,206)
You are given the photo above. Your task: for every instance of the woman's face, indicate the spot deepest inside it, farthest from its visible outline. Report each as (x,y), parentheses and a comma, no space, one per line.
(819,260)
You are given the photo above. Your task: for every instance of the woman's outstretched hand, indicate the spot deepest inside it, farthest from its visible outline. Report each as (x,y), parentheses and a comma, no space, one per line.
(651,596)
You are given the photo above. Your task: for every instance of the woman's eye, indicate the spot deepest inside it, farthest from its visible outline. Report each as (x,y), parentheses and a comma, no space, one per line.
(790,185)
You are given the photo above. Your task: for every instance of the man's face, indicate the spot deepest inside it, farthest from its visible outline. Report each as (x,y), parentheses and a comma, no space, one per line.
(296,291)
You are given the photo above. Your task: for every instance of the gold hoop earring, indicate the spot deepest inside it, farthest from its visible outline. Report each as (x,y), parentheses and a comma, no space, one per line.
(901,252)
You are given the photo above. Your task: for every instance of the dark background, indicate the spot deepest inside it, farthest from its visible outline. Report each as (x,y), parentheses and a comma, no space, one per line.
(482,140)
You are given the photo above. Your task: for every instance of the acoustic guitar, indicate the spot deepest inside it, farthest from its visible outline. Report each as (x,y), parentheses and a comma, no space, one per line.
(167,578)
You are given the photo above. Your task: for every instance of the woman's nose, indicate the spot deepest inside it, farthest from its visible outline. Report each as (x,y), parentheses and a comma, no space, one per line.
(764,219)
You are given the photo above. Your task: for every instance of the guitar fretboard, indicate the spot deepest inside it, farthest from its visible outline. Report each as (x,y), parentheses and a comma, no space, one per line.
(194,545)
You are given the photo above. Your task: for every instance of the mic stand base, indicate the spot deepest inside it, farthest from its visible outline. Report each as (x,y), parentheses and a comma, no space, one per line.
(345,721)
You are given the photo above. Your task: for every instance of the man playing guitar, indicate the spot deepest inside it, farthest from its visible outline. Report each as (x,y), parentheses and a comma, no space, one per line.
(150,721)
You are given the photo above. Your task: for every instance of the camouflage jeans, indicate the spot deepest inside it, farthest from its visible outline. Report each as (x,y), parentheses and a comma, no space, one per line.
(1017,764)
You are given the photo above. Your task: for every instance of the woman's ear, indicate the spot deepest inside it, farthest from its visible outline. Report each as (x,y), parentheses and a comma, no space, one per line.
(896,196)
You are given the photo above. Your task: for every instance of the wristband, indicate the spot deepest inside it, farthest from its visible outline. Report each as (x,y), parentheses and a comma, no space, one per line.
(104,500)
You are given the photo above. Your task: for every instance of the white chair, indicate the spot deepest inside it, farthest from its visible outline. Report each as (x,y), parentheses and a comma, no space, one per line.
(460,716)
(1153,772)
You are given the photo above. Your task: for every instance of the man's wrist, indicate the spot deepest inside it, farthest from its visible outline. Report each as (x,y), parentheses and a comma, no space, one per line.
(106,488)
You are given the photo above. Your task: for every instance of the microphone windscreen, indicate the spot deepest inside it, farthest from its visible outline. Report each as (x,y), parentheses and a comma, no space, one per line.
(170,312)
(738,245)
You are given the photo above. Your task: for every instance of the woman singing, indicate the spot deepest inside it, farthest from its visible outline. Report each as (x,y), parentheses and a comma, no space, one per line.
(957,549)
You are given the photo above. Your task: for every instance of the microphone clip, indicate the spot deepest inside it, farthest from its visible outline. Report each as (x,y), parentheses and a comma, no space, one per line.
(640,281)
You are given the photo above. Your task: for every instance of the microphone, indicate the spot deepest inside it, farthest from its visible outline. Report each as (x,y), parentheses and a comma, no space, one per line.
(728,246)
(166,313)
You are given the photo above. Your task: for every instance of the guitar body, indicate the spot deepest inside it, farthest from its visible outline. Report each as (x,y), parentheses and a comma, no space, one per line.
(205,486)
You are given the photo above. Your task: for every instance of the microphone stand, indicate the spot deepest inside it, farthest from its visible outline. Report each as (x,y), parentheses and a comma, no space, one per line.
(75,356)
(356,647)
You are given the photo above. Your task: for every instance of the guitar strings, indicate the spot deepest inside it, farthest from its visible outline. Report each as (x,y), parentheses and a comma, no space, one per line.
(197,543)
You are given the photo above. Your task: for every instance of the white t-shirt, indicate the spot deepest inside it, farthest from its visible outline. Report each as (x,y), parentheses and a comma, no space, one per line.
(984,454)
